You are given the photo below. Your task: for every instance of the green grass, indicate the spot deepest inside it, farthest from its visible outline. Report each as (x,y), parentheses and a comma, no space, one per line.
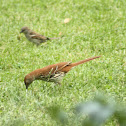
(97,27)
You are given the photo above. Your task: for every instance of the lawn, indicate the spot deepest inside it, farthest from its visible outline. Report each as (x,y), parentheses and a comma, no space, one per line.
(96,27)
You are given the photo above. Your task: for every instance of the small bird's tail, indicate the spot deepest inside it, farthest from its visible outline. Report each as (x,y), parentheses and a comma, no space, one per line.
(54,38)
(83,61)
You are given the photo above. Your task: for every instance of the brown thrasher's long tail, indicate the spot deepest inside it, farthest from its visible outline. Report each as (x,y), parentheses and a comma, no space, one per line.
(83,61)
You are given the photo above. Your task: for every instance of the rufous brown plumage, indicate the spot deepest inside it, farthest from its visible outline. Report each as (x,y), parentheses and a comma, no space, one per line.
(53,73)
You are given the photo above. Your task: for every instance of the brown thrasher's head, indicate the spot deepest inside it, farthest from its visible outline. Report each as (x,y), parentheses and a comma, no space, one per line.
(24,30)
(28,80)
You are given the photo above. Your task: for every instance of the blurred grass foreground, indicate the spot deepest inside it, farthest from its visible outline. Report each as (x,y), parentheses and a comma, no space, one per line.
(91,113)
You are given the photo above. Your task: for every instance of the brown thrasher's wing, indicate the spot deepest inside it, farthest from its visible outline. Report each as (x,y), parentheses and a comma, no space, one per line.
(48,70)
(52,73)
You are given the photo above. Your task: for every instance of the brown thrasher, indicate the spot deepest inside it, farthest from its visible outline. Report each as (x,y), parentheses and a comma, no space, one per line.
(52,73)
(34,37)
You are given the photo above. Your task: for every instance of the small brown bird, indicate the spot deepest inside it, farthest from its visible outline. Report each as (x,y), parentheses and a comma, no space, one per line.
(34,37)
(52,73)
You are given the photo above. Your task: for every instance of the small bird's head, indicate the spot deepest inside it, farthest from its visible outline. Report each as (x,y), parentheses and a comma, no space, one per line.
(28,80)
(24,30)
